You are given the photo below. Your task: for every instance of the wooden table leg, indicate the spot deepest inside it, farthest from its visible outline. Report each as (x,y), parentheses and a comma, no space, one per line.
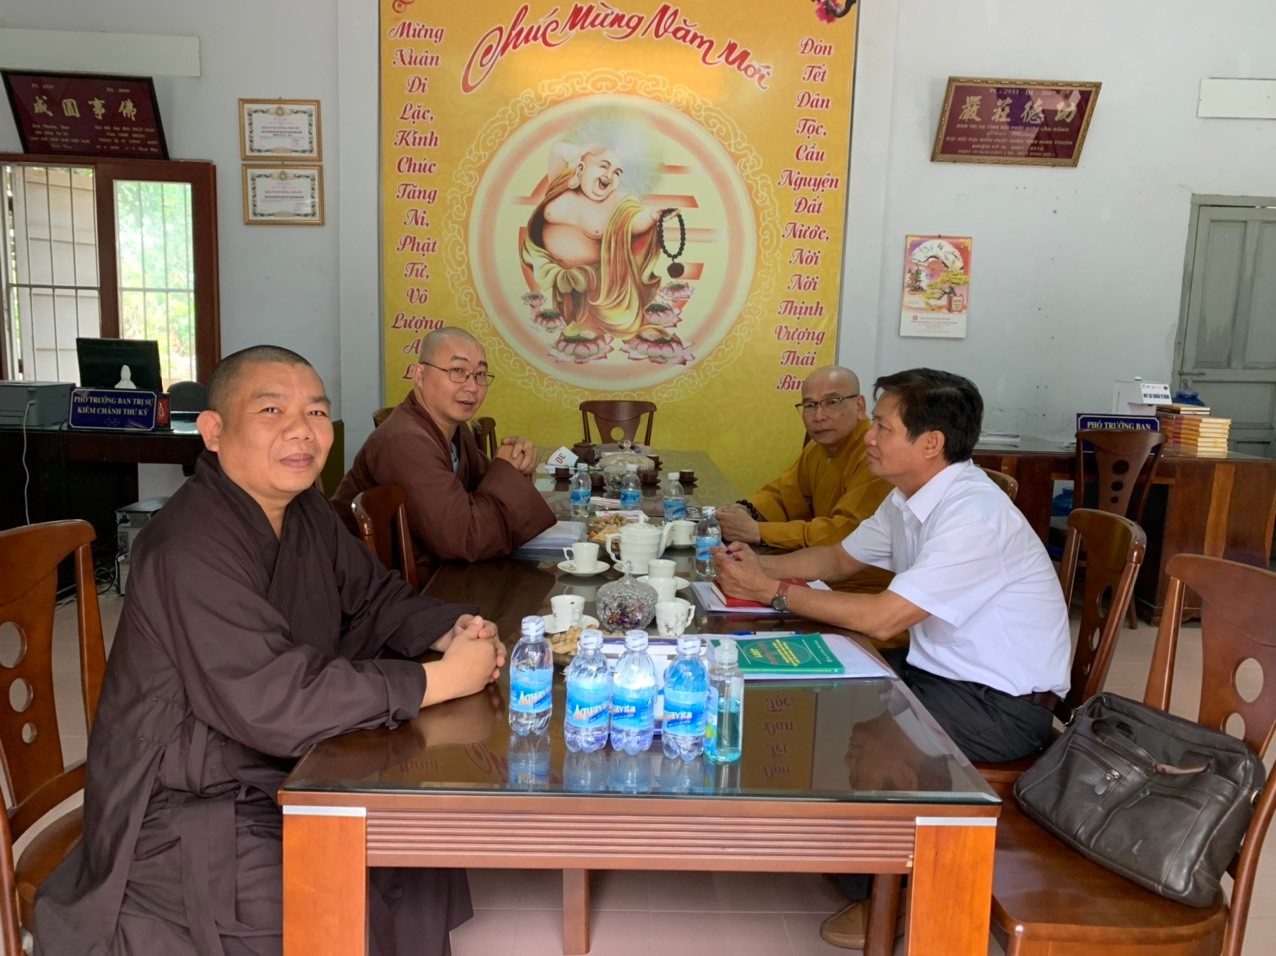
(325,881)
(883,913)
(951,886)
(575,912)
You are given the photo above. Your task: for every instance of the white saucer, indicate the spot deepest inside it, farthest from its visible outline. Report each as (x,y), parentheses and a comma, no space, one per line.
(680,582)
(569,567)
(552,628)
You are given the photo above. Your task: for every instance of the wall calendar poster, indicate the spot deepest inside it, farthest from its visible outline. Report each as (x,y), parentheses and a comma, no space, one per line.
(629,200)
(936,286)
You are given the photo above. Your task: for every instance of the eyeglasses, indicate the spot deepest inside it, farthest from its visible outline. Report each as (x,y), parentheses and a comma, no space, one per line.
(462,375)
(828,404)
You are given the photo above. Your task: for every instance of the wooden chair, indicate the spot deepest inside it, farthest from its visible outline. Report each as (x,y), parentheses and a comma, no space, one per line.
(1124,460)
(380,415)
(30,738)
(1114,548)
(1049,899)
(381,513)
(1003,481)
(613,416)
(485,435)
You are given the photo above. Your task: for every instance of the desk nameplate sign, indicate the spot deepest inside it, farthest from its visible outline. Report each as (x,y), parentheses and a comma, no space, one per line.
(114,408)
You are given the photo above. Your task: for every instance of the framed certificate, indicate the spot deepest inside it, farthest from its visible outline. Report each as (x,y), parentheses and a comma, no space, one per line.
(1014,122)
(283,195)
(280,130)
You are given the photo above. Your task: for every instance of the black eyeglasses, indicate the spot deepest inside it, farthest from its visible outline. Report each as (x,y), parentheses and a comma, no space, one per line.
(462,375)
(828,404)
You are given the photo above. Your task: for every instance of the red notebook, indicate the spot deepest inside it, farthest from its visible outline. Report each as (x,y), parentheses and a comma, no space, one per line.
(745,602)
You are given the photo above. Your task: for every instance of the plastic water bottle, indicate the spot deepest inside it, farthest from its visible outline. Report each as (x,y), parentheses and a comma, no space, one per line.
(708,535)
(675,498)
(531,674)
(588,696)
(633,697)
(528,762)
(686,690)
(724,724)
(582,491)
(630,488)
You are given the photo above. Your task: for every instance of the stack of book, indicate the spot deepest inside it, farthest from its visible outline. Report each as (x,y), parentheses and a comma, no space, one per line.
(1191,430)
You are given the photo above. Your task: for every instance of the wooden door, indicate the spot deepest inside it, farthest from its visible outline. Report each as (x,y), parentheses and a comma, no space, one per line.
(1226,346)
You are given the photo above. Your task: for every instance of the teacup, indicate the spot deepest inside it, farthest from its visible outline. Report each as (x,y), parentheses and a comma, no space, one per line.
(682,533)
(666,588)
(687,476)
(661,568)
(568,610)
(673,617)
(584,556)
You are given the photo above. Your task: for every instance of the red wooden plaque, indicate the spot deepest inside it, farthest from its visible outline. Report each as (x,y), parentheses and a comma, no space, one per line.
(84,115)
(1016,122)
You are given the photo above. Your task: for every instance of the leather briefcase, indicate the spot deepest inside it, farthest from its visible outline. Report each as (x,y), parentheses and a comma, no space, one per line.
(1160,800)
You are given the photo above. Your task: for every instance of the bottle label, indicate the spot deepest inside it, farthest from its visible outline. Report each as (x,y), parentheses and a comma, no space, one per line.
(580,498)
(704,543)
(633,708)
(530,690)
(629,498)
(711,719)
(675,508)
(684,712)
(587,704)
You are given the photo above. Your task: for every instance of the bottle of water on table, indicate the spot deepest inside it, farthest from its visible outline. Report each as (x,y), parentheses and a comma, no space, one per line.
(708,535)
(630,488)
(582,491)
(588,696)
(633,697)
(531,676)
(675,498)
(724,726)
(686,690)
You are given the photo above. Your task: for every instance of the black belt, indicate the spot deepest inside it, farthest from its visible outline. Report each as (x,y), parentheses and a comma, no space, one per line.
(1051,702)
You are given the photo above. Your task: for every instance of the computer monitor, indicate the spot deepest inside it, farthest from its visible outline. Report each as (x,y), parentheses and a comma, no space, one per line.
(103,363)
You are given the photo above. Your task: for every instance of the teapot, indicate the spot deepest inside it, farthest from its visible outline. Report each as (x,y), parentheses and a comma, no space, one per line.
(638,543)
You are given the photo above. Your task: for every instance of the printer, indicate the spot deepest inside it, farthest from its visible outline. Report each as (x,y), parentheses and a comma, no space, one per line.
(35,404)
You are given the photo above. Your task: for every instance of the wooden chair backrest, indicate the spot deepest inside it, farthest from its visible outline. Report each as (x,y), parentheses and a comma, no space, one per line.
(380,415)
(30,740)
(1114,548)
(1003,481)
(1124,460)
(485,435)
(613,415)
(1236,627)
(381,513)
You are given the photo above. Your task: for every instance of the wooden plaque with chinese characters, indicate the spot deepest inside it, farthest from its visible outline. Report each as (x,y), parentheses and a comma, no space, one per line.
(82,115)
(1014,122)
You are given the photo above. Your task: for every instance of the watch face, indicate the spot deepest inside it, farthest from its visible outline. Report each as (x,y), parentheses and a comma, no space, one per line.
(779,603)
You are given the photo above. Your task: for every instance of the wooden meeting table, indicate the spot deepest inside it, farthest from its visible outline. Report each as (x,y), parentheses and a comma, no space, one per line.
(849,776)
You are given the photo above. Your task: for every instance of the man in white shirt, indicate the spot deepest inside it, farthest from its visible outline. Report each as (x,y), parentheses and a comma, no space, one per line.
(989,642)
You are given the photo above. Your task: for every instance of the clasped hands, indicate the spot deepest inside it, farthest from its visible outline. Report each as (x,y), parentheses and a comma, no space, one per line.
(472,658)
(520,453)
(738,525)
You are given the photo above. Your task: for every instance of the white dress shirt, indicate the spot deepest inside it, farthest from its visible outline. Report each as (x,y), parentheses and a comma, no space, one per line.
(962,552)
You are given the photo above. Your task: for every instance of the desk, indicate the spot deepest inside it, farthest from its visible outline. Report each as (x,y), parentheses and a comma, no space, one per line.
(1223,507)
(837,776)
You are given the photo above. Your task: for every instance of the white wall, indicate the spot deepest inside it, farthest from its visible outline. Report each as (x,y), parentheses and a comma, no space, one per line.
(1077,273)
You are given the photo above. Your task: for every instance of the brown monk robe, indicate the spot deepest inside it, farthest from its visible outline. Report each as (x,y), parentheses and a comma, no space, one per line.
(248,633)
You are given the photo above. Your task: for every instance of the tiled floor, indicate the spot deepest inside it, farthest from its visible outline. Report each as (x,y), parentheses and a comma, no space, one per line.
(659,913)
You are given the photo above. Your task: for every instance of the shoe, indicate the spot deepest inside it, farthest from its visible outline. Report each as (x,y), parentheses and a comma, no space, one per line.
(847,928)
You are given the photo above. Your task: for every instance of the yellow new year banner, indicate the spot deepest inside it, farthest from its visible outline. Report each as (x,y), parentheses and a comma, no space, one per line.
(621,200)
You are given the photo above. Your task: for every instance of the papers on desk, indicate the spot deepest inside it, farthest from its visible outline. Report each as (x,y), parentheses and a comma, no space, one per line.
(562,535)
(856,662)
(998,438)
(711,602)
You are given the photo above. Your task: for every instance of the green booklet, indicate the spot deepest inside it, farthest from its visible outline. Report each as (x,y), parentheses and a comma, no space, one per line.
(787,654)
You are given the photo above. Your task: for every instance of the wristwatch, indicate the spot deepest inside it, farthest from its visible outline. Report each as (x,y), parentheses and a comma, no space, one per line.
(781,602)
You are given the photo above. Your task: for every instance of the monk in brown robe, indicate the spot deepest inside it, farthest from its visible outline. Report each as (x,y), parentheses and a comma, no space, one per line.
(249,632)
(461,506)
